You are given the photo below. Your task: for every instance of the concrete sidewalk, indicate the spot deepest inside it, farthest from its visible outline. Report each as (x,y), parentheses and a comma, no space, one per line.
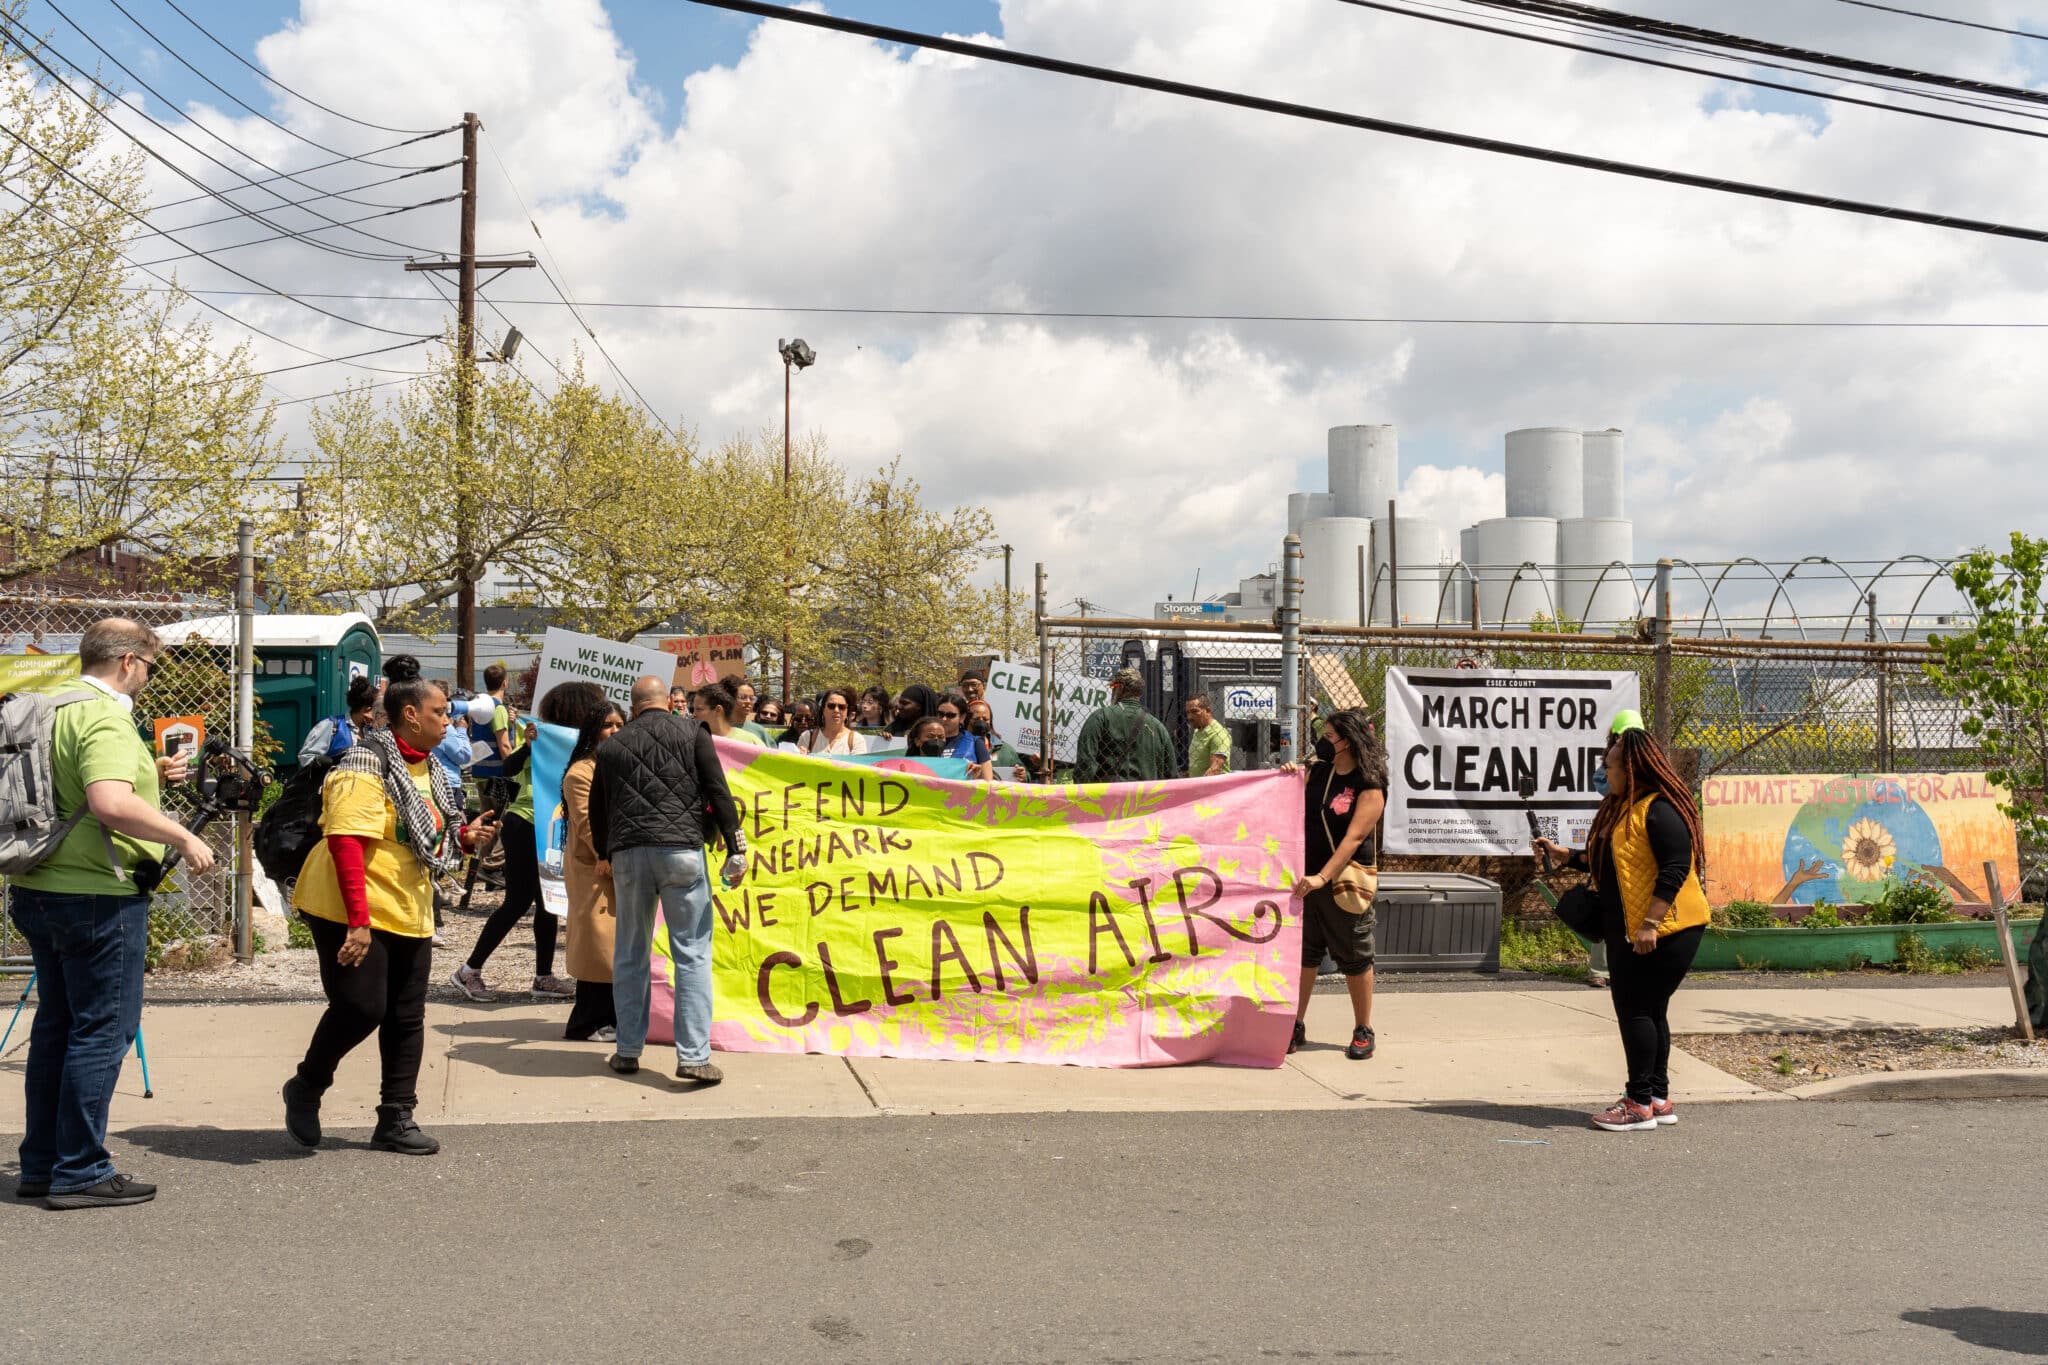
(220,1066)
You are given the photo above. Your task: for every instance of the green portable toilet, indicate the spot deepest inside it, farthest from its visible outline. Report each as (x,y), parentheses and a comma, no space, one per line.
(303,668)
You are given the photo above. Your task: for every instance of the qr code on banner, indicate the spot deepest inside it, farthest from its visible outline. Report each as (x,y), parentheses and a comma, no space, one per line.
(1550,828)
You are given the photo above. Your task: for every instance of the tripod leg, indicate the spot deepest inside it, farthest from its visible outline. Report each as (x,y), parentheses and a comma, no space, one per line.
(17,1011)
(142,1056)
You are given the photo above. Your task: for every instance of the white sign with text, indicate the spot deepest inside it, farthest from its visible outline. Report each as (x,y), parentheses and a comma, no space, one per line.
(569,657)
(1013,700)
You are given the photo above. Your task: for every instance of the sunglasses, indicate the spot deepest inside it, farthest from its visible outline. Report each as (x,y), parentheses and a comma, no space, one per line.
(835,706)
(949,715)
(148,667)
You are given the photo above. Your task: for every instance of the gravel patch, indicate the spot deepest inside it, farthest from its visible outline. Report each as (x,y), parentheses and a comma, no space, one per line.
(1786,1061)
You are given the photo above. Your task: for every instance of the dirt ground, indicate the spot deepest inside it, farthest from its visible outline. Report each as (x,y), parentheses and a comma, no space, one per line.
(1785,1061)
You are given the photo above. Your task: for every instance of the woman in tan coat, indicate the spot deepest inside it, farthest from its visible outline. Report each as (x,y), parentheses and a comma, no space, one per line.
(589,880)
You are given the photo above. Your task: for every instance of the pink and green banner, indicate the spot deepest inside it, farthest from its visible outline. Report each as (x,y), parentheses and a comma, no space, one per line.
(889,912)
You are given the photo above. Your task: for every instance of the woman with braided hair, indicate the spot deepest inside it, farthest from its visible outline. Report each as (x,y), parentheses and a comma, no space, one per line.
(1645,855)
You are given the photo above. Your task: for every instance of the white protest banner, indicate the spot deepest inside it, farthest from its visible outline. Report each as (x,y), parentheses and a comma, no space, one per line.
(1012,697)
(566,656)
(1463,745)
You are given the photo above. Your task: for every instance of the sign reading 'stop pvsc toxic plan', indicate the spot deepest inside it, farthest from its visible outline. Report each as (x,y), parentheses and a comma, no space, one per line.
(1464,745)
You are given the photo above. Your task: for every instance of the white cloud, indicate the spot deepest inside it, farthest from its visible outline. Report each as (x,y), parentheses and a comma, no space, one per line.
(825,171)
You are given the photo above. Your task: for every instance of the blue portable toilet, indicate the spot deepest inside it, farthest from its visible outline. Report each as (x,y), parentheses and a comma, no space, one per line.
(303,668)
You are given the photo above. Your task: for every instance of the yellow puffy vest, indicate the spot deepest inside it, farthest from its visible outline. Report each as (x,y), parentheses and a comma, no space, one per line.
(1635,871)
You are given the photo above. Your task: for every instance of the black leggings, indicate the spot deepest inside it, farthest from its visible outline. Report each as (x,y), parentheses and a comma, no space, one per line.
(1642,985)
(522,893)
(384,994)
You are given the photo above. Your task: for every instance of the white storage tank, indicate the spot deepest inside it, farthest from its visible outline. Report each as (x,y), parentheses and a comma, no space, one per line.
(1365,470)
(1602,483)
(1589,589)
(1303,508)
(1458,601)
(1419,546)
(1329,568)
(1546,473)
(1508,591)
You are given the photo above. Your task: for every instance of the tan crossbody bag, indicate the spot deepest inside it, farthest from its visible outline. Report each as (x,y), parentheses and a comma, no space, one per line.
(1357,884)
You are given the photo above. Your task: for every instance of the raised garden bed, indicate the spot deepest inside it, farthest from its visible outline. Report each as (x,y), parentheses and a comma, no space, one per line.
(1851,946)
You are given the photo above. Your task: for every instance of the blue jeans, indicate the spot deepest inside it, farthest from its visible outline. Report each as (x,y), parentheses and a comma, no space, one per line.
(675,878)
(88,953)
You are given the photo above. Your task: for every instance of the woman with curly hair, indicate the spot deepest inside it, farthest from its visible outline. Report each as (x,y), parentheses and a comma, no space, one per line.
(1645,856)
(1343,798)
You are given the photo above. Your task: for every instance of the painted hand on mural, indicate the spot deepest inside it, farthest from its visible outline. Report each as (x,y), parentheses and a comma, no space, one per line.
(1814,871)
(1939,876)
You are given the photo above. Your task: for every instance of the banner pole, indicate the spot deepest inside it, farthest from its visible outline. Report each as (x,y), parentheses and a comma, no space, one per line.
(1045,714)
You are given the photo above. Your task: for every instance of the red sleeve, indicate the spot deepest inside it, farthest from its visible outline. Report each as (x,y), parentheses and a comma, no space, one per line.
(348,851)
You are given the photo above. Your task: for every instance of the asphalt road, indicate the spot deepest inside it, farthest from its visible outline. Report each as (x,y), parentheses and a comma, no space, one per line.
(1848,1232)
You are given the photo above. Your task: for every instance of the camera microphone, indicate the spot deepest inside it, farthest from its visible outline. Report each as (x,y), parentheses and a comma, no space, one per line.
(1527,791)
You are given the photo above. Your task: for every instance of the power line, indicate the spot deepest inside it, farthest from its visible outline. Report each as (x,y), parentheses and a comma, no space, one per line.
(113,96)
(283,369)
(100,194)
(303,99)
(320,166)
(283,236)
(1947,19)
(1807,91)
(1104,315)
(331,194)
(1209,94)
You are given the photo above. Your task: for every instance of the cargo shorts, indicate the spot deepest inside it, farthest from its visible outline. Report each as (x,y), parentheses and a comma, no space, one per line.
(1347,938)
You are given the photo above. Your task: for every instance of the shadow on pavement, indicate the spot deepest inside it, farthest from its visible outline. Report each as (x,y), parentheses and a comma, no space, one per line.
(1996,1329)
(225,1146)
(1541,1116)
(537,1049)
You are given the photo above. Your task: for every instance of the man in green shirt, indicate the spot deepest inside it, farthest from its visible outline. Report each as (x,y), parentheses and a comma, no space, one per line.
(87,925)
(1208,741)
(1123,742)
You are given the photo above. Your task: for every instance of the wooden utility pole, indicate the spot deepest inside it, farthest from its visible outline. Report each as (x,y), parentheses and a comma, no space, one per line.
(465,265)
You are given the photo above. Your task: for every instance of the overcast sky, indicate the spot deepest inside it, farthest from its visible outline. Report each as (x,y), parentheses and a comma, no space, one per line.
(678,155)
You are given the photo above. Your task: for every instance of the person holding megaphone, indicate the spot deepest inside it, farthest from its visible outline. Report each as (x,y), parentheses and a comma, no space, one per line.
(1644,854)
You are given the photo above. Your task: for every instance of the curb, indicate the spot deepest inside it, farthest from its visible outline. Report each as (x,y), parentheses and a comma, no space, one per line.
(1996,1083)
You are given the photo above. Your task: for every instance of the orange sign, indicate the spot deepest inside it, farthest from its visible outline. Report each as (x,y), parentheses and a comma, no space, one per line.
(702,659)
(190,732)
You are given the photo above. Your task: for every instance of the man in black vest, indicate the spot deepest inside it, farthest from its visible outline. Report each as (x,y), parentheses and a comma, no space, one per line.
(655,781)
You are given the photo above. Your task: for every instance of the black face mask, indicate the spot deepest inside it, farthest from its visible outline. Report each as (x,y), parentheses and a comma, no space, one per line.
(1325,750)
(931,748)
(978,726)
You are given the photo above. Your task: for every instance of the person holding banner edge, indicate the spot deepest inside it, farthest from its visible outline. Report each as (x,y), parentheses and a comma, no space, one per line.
(1644,854)
(1346,789)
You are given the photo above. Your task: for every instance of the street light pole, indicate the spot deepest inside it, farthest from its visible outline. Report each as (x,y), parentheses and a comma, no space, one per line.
(1006,603)
(795,356)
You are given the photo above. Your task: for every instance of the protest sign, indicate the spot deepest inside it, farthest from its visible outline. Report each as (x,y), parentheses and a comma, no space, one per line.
(1012,696)
(1800,840)
(702,659)
(1462,745)
(569,657)
(893,913)
(552,745)
(37,672)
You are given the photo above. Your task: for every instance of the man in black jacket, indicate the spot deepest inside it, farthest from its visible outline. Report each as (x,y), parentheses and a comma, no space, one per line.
(655,781)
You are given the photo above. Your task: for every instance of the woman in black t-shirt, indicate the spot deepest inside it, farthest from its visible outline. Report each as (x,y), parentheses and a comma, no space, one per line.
(1343,799)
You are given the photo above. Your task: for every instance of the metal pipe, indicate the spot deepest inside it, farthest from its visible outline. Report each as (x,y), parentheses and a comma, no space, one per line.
(245,726)
(1661,684)
(1290,648)
(1045,707)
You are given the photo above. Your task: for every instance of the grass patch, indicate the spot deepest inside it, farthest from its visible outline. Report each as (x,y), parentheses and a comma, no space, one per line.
(1549,949)
(297,935)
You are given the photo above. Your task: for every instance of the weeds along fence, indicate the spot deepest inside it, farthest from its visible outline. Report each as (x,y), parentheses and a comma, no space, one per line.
(194,679)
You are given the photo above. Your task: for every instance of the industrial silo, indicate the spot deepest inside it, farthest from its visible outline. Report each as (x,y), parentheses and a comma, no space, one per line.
(1589,588)
(1508,591)
(1418,554)
(1546,474)
(1602,479)
(1458,601)
(1365,470)
(1303,508)
(1329,568)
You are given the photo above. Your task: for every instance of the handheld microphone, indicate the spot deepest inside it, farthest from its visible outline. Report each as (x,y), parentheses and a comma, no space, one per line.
(1527,791)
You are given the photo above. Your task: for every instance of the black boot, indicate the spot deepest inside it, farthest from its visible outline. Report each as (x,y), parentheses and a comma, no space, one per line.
(396,1132)
(301,1113)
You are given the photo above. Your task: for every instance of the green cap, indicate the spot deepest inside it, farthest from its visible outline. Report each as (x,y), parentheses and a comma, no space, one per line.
(1625,721)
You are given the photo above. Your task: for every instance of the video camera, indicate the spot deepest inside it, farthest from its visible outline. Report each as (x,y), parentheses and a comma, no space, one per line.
(229,782)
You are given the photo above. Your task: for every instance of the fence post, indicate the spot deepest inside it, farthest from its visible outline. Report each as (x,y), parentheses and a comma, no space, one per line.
(1660,687)
(245,725)
(1290,647)
(1045,708)
(2023,1019)
(1884,688)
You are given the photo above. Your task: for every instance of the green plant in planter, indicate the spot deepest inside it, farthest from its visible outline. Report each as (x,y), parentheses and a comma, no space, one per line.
(1746,915)
(1912,902)
(1822,916)
(296,934)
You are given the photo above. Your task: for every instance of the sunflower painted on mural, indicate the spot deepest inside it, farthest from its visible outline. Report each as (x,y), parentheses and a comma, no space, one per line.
(1867,851)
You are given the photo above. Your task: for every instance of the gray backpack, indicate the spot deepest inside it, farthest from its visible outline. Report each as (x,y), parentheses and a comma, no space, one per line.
(31,826)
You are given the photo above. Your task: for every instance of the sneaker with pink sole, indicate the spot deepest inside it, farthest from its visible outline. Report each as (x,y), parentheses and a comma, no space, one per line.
(1625,1116)
(553,988)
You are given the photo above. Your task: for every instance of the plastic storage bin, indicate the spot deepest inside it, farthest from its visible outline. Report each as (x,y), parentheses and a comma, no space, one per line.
(1436,922)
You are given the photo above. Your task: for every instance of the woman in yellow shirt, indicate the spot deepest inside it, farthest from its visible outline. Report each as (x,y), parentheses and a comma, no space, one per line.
(392,821)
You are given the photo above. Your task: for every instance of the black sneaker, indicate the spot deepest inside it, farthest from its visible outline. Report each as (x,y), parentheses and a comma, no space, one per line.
(38,1189)
(1361,1044)
(396,1132)
(111,1193)
(1300,1037)
(703,1073)
(625,1066)
(301,1113)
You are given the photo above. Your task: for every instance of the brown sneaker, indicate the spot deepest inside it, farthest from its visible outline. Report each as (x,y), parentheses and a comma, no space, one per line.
(1625,1116)
(703,1074)
(1666,1115)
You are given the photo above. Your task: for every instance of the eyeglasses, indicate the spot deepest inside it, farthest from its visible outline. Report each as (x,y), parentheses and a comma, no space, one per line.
(949,715)
(148,667)
(835,706)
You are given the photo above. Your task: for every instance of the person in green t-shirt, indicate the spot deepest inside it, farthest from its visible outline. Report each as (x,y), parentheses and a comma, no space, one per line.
(87,924)
(1208,741)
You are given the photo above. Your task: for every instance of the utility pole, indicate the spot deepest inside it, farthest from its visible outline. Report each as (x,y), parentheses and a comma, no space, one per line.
(465,265)
(1006,603)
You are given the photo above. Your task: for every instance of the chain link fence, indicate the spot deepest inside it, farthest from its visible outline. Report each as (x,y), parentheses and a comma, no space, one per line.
(193,682)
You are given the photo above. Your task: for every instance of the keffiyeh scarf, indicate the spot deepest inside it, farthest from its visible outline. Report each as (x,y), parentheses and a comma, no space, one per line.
(437,843)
